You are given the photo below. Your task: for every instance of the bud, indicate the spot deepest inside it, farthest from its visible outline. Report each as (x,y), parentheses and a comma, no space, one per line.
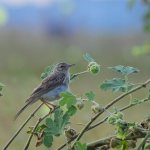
(119,115)
(80,104)
(112,120)
(94,68)
(96,107)
(70,133)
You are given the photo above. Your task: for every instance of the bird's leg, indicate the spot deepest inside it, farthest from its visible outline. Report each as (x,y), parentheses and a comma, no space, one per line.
(49,105)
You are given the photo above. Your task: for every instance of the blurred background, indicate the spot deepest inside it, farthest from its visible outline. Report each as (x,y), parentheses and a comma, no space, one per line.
(38,33)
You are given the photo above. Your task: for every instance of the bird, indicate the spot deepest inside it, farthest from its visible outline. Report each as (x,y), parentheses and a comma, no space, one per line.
(50,88)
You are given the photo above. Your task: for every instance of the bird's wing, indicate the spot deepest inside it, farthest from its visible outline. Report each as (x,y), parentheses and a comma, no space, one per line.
(47,84)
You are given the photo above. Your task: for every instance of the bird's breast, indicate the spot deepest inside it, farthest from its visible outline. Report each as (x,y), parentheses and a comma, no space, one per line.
(55,93)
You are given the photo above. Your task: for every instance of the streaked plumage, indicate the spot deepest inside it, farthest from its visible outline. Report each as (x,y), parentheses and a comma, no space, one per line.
(51,86)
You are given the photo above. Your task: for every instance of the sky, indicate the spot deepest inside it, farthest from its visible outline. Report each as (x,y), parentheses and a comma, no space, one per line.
(92,15)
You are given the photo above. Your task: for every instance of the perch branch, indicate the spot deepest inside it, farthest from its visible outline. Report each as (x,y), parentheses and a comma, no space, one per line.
(38,122)
(77,74)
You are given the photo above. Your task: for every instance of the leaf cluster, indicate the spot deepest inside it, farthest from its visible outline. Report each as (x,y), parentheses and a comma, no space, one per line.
(55,124)
(118,84)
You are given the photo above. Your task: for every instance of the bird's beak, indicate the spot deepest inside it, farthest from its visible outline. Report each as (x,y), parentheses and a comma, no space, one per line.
(70,65)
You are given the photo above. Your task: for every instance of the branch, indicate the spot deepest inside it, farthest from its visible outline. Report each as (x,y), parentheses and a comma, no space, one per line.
(36,125)
(108,106)
(77,74)
(21,127)
(122,109)
(102,121)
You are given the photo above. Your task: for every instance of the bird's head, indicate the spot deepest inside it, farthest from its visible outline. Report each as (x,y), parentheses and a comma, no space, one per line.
(63,67)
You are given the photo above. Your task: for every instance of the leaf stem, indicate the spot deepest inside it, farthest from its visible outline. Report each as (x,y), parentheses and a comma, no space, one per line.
(77,74)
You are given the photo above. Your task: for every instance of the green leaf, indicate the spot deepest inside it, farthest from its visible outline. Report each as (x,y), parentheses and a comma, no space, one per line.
(125,70)
(90,95)
(67,99)
(72,110)
(80,146)
(40,128)
(116,85)
(50,127)
(57,125)
(48,140)
(88,58)
(48,70)
(49,122)
(147,147)
(30,130)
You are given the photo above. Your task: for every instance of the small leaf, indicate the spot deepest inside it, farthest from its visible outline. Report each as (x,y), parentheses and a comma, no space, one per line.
(88,58)
(40,128)
(116,85)
(51,128)
(90,95)
(30,130)
(72,110)
(125,70)
(80,146)
(67,99)
(49,122)
(48,139)
(48,70)
(56,126)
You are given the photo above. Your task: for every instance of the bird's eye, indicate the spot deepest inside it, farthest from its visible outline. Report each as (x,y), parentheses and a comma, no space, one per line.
(62,66)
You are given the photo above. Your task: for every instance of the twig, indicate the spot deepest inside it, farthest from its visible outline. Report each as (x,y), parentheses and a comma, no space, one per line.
(77,74)
(108,106)
(21,127)
(98,143)
(36,125)
(122,109)
(144,141)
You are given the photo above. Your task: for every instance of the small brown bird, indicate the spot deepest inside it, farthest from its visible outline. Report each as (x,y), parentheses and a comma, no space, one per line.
(51,87)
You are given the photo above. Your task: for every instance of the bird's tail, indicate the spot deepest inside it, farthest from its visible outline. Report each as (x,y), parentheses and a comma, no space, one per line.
(22,109)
